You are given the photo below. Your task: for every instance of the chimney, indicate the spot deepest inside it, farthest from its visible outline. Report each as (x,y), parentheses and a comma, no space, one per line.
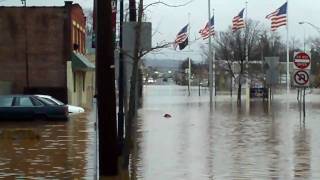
(67,3)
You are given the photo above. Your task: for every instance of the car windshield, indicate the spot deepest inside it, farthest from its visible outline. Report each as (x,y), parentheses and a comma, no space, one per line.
(6,101)
(55,100)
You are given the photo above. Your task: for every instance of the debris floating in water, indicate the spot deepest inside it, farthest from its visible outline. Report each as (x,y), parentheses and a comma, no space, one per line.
(167,116)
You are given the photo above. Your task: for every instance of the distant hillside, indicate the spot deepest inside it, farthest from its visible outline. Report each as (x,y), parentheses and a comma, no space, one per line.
(163,64)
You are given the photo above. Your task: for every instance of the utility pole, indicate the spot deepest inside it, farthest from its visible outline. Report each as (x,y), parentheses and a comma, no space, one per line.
(24,2)
(107,124)
(120,83)
(132,10)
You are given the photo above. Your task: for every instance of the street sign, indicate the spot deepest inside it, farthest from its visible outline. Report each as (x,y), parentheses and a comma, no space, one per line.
(302,60)
(301,78)
(271,66)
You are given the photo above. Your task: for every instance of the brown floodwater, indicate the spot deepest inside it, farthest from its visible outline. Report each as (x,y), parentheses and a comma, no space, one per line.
(198,142)
(48,149)
(267,141)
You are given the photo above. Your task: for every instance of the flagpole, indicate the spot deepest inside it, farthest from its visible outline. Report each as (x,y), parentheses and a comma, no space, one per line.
(189,75)
(247,57)
(288,74)
(189,60)
(214,65)
(210,55)
(189,14)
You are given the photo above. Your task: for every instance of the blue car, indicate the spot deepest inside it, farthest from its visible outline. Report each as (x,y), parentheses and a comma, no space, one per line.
(30,107)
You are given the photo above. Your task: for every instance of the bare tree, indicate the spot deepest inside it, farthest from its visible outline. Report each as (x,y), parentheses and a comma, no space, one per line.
(231,47)
(314,44)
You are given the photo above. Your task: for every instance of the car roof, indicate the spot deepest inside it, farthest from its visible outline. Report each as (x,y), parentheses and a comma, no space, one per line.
(17,95)
(41,95)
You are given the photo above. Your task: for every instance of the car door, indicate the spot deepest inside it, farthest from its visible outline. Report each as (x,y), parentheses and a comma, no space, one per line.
(25,107)
(6,107)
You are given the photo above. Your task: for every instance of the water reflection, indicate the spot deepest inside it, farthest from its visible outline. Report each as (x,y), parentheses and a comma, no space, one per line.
(47,149)
(225,142)
(302,153)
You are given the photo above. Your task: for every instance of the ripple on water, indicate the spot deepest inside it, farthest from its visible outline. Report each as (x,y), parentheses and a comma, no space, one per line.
(226,143)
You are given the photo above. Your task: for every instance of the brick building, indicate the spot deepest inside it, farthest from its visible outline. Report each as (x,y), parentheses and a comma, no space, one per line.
(42,51)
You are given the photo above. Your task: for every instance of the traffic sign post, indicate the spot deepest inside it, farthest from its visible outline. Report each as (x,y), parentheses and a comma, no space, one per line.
(301,77)
(301,66)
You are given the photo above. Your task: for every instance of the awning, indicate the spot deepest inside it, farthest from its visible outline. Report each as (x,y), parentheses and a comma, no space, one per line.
(81,63)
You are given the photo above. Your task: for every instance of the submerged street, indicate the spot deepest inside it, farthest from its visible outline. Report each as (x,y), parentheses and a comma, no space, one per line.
(225,142)
(196,143)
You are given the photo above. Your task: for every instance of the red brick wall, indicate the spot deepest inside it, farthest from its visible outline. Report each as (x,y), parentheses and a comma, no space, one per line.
(46,39)
(78,24)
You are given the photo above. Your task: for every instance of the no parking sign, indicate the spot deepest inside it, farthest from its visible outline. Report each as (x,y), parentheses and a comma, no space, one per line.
(301,78)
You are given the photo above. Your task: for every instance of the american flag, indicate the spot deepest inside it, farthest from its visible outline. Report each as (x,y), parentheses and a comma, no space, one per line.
(238,22)
(278,17)
(181,37)
(208,30)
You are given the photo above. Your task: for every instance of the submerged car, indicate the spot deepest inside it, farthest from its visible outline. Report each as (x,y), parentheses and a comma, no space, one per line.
(71,109)
(30,107)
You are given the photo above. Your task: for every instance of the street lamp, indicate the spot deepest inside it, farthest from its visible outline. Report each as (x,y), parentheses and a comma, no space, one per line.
(312,25)
(304,36)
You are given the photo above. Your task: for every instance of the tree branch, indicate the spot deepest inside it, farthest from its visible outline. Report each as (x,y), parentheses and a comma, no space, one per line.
(168,5)
(144,52)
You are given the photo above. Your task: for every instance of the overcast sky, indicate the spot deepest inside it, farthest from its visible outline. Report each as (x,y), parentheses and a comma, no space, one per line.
(168,21)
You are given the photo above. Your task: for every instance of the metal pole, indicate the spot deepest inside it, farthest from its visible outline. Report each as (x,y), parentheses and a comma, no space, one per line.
(304,39)
(210,57)
(214,74)
(121,83)
(288,74)
(107,123)
(247,58)
(132,10)
(189,75)
(304,102)
(199,86)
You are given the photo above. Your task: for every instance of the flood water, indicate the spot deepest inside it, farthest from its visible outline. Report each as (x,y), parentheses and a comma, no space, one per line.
(224,142)
(48,149)
(269,141)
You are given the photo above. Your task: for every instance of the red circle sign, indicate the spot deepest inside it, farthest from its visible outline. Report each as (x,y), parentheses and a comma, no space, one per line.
(302,60)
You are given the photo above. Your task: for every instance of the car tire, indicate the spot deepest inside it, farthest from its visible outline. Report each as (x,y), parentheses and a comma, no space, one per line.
(40,117)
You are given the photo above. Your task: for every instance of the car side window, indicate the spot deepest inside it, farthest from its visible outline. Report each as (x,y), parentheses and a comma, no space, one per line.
(6,101)
(36,102)
(25,102)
